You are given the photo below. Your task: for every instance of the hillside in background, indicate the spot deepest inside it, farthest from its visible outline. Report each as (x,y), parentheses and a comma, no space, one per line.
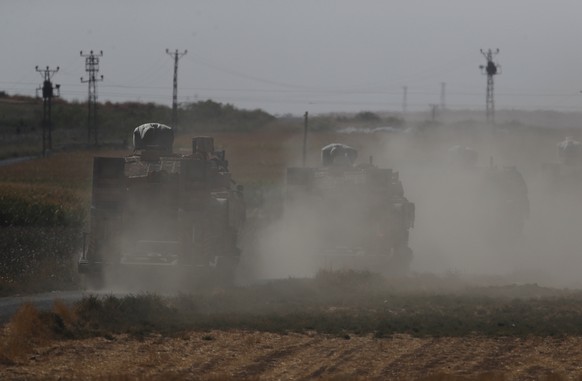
(21,119)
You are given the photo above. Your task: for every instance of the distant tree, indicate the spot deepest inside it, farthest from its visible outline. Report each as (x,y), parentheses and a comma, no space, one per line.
(367,116)
(217,116)
(394,121)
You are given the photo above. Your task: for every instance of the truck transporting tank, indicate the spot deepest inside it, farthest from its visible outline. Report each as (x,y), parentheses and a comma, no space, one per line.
(162,215)
(362,218)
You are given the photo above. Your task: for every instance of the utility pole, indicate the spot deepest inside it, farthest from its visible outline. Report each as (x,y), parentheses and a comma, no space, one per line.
(443,92)
(305,128)
(433,113)
(176,55)
(47,96)
(92,68)
(490,69)
(404,100)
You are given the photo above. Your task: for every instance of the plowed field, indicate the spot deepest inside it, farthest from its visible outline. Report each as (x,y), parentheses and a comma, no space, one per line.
(236,355)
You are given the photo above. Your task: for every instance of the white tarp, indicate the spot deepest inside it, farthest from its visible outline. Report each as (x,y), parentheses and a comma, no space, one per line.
(153,136)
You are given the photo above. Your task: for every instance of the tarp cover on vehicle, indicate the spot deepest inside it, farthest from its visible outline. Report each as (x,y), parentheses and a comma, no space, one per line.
(154,136)
(338,154)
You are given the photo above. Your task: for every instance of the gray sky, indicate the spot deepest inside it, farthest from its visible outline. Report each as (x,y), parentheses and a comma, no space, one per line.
(301,55)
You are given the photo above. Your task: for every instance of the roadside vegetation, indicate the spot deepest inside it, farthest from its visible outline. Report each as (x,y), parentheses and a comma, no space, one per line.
(339,303)
(342,305)
(43,208)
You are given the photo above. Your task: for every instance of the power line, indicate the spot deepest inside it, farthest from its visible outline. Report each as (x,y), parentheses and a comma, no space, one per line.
(465,96)
(324,91)
(92,68)
(149,73)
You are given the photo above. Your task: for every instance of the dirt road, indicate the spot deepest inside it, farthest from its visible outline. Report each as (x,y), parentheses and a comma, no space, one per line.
(240,355)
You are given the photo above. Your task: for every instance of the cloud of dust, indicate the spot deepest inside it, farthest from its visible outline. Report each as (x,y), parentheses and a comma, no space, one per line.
(464,226)
(288,247)
(467,222)
(340,222)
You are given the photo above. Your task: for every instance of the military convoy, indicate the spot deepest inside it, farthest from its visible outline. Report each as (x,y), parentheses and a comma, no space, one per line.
(159,212)
(362,216)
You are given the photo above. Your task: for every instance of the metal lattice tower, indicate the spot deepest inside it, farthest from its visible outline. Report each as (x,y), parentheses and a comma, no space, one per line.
(490,69)
(92,68)
(176,55)
(47,96)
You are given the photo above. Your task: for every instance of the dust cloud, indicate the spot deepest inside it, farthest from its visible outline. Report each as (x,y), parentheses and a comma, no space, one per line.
(336,216)
(288,247)
(465,228)
(504,216)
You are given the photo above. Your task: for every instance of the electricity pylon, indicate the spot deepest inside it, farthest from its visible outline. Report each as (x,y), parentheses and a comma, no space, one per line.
(490,69)
(92,68)
(47,95)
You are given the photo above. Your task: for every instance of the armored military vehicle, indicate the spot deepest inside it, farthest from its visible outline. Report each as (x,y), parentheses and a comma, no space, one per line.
(493,199)
(505,201)
(173,217)
(565,173)
(359,214)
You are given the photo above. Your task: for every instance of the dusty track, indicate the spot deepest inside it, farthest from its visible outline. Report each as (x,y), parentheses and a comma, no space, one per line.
(251,355)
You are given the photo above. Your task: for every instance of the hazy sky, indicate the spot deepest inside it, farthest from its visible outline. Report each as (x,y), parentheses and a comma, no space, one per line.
(301,55)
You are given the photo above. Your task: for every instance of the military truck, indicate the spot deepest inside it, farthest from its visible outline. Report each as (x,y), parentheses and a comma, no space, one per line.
(494,198)
(359,213)
(505,201)
(162,215)
(565,174)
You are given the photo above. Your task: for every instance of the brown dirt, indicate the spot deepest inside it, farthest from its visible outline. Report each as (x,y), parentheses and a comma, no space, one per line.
(236,355)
